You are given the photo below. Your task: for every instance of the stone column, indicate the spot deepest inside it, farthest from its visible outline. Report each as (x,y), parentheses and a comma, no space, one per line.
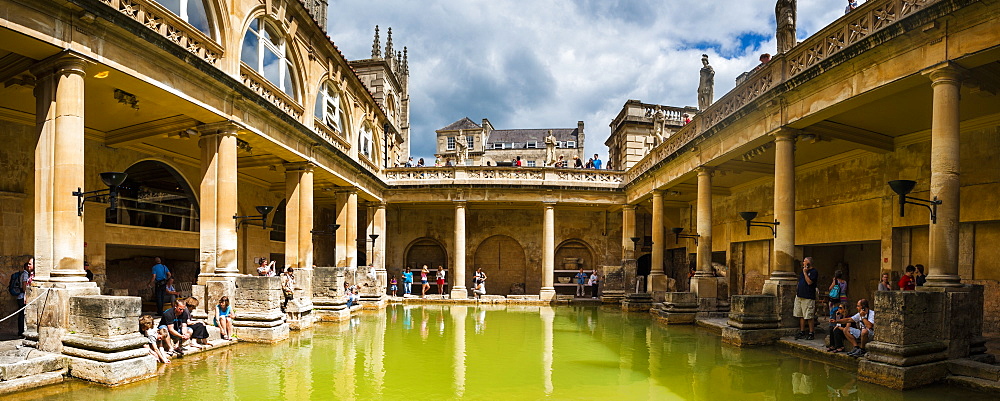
(218,202)
(347,235)
(378,254)
(657,280)
(943,248)
(783,279)
(548,291)
(59,168)
(298,215)
(704,283)
(784,207)
(458,290)
(628,231)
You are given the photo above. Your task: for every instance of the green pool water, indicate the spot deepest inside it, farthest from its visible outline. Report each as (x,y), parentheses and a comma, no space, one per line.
(497,353)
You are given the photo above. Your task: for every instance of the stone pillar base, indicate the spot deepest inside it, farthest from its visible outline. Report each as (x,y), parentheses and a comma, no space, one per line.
(47,318)
(641,302)
(547,294)
(908,350)
(962,314)
(258,310)
(105,345)
(459,293)
(299,314)
(326,309)
(752,321)
(678,308)
(612,296)
(784,293)
(705,286)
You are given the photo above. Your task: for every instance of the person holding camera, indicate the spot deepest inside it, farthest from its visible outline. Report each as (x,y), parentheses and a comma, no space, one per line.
(861,329)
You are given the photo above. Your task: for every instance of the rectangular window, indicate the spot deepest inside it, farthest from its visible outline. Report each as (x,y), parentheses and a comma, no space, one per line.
(471,141)
(532,145)
(451,143)
(531,163)
(468,162)
(560,144)
(498,145)
(570,144)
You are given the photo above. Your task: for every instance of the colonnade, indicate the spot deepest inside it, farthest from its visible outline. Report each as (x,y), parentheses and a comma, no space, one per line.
(946,81)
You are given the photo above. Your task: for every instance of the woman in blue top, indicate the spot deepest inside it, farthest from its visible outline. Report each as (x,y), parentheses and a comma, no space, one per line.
(224,317)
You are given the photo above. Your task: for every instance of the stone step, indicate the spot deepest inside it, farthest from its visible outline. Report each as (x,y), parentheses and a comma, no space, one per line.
(969,368)
(975,383)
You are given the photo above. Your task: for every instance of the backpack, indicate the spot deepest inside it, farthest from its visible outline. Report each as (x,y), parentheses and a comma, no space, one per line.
(14,286)
(835,291)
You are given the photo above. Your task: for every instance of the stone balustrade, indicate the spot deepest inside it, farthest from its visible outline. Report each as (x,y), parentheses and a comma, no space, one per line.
(477,175)
(871,17)
(267,90)
(165,23)
(336,138)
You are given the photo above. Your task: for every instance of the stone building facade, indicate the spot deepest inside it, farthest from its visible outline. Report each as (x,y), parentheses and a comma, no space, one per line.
(486,145)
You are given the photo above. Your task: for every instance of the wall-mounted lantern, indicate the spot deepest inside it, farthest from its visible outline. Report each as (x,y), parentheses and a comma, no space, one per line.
(677,233)
(263,210)
(749,216)
(112,180)
(903,187)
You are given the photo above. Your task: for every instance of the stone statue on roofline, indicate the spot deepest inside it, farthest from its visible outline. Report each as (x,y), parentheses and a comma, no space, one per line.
(461,148)
(784,16)
(706,84)
(550,149)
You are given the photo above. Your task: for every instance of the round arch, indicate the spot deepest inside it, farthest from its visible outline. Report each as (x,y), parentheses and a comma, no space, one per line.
(425,251)
(502,259)
(293,53)
(578,249)
(156,195)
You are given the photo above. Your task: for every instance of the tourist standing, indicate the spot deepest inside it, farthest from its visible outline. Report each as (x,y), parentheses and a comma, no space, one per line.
(90,274)
(920,278)
(594,283)
(440,276)
(424,284)
(851,5)
(408,281)
(265,269)
(581,280)
(906,283)
(883,284)
(160,275)
(287,286)
(805,300)
(18,287)
(838,288)
(392,285)
(597,162)
(577,163)
(479,283)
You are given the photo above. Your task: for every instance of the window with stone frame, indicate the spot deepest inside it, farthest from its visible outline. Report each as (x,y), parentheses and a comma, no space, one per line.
(451,143)
(470,141)
(532,144)
(193,12)
(266,52)
(365,141)
(329,109)
(571,144)
(531,163)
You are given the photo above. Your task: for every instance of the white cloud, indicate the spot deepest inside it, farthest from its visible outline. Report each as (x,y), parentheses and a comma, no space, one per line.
(551,63)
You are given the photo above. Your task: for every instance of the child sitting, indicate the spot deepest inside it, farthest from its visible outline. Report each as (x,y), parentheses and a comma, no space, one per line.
(224,318)
(836,335)
(154,338)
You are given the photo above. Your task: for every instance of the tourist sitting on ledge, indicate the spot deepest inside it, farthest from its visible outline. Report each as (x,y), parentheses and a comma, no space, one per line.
(861,329)
(173,326)
(199,330)
(154,339)
(836,334)
(224,318)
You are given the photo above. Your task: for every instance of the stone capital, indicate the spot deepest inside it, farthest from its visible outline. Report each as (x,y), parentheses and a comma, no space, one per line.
(784,134)
(64,63)
(549,205)
(628,207)
(224,128)
(706,170)
(296,167)
(460,204)
(945,73)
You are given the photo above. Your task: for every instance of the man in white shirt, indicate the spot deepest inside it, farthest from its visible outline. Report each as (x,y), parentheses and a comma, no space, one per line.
(858,329)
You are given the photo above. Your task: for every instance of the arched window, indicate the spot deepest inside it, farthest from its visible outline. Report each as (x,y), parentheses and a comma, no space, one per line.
(329,109)
(191,11)
(155,195)
(365,141)
(266,52)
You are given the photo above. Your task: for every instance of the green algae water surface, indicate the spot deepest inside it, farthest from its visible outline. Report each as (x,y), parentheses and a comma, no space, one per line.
(496,353)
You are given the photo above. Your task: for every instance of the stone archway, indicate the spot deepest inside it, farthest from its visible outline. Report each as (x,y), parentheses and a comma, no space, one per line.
(425,251)
(576,249)
(155,195)
(502,259)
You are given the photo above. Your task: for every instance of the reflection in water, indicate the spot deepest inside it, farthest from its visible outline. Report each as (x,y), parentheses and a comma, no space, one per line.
(524,353)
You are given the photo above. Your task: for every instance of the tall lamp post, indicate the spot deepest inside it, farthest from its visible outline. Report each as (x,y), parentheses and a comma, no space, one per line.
(371,261)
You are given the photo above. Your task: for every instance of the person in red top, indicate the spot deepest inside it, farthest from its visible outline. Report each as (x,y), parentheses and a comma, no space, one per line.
(906,283)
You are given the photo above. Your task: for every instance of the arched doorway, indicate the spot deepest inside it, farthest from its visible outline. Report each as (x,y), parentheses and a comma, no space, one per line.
(643,266)
(425,251)
(155,195)
(576,252)
(502,259)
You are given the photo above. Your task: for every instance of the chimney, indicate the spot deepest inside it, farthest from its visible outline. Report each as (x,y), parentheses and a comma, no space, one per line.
(579,136)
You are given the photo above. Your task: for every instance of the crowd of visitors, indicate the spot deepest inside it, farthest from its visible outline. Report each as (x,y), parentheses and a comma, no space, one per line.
(594,163)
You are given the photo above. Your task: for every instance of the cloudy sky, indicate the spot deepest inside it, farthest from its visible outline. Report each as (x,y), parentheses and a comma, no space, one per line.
(550,63)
